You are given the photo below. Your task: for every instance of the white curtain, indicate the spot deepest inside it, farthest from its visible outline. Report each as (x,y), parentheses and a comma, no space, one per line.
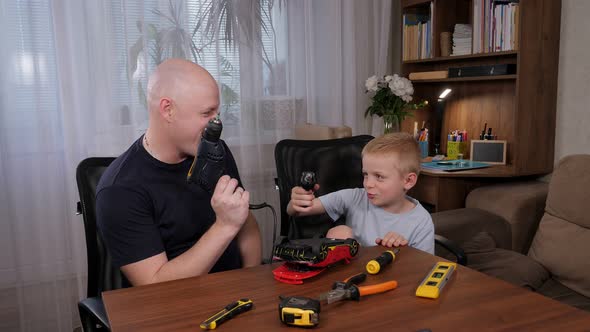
(72,80)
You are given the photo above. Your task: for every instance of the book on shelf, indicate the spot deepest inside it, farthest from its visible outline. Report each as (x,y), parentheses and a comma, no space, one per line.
(417,33)
(428,75)
(462,39)
(496,25)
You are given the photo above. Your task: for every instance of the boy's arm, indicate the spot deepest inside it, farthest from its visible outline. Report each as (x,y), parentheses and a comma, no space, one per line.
(424,239)
(304,203)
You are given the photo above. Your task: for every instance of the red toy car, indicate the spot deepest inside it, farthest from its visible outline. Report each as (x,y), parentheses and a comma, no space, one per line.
(305,258)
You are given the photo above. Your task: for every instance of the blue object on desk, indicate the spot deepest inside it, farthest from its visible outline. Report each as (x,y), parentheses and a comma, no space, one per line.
(423,149)
(454,165)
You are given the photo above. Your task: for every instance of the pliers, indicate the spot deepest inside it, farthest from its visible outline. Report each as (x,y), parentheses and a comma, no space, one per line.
(348,289)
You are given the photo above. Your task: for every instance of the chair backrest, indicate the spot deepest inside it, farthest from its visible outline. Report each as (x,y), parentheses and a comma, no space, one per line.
(101,274)
(337,164)
(562,241)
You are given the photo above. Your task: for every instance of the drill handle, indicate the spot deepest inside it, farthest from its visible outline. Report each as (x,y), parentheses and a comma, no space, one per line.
(208,165)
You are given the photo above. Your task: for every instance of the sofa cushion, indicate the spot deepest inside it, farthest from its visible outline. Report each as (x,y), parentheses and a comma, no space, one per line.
(513,267)
(562,242)
(569,190)
(564,249)
(559,292)
(521,204)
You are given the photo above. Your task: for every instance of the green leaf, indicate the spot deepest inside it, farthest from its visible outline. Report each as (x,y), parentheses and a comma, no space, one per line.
(228,95)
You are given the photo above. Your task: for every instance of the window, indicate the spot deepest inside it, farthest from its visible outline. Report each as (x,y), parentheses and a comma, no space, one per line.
(30,79)
(146,33)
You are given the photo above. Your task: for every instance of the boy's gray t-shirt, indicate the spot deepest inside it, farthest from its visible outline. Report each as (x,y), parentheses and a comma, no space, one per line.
(369,222)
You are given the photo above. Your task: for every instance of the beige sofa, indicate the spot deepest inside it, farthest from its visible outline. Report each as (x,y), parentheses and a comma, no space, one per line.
(557,262)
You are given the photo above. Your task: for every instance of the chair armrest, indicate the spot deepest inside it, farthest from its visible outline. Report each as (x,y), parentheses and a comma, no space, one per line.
(92,312)
(461,225)
(451,247)
(274,227)
(521,204)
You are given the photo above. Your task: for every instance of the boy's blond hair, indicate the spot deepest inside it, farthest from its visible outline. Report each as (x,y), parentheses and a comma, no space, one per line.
(402,145)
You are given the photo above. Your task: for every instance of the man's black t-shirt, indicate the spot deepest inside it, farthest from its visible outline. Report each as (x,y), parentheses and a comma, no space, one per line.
(145,207)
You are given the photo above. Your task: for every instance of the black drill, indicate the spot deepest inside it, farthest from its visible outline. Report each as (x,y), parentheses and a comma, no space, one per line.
(208,165)
(308,180)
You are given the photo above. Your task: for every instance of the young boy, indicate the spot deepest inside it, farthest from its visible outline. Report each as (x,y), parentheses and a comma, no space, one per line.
(381,212)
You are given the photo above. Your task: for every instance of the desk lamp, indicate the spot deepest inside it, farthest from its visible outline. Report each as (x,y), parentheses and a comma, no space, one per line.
(439,109)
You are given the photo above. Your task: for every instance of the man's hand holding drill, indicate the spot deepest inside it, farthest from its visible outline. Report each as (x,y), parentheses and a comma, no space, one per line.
(230,203)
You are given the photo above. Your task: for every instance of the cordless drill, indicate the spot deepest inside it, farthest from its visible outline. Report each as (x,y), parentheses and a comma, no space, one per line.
(208,165)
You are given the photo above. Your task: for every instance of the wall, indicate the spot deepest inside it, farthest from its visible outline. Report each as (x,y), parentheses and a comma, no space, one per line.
(573,92)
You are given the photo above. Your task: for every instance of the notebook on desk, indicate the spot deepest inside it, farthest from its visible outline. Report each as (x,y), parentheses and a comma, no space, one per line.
(454,165)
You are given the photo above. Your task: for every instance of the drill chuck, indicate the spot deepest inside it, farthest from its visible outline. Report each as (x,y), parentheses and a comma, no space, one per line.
(308,180)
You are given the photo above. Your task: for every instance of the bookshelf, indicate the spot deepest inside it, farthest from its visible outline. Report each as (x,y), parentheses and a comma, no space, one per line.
(520,107)
(472,78)
(462,57)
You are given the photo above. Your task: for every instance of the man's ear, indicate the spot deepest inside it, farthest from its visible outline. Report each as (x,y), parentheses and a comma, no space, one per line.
(410,180)
(166,109)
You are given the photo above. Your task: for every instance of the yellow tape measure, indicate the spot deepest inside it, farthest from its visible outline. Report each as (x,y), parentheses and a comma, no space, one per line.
(436,280)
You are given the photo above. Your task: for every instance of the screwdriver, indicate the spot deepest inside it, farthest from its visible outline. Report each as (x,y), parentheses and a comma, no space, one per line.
(375,265)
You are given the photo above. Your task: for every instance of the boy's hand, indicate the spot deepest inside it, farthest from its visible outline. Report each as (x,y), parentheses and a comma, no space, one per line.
(392,239)
(301,199)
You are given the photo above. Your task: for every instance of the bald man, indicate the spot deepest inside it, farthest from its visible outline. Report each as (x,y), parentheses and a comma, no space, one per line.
(156,226)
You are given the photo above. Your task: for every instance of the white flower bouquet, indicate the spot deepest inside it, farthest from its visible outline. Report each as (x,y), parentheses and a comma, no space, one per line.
(391,96)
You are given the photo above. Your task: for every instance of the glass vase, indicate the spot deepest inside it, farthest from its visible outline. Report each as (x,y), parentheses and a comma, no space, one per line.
(390,125)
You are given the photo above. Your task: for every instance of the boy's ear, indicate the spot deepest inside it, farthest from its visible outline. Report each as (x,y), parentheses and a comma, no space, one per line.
(410,180)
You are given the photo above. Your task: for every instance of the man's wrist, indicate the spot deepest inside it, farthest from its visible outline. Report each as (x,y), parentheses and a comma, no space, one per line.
(226,227)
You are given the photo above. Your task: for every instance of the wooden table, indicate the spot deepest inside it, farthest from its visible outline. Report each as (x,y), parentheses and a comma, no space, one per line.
(471,301)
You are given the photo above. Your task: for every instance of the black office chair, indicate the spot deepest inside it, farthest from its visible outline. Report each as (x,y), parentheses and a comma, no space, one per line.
(101,274)
(338,165)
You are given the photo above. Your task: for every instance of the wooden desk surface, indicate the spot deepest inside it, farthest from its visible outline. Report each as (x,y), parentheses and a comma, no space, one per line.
(495,171)
(448,190)
(471,301)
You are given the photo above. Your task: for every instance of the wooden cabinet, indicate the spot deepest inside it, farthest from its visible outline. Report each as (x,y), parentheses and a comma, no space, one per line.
(520,107)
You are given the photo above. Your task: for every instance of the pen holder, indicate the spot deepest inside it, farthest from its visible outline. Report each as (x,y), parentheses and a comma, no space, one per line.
(455,148)
(423,149)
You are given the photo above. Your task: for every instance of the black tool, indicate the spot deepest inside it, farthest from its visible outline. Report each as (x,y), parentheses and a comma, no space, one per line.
(375,265)
(230,311)
(308,180)
(208,165)
(483,132)
(489,136)
(299,311)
